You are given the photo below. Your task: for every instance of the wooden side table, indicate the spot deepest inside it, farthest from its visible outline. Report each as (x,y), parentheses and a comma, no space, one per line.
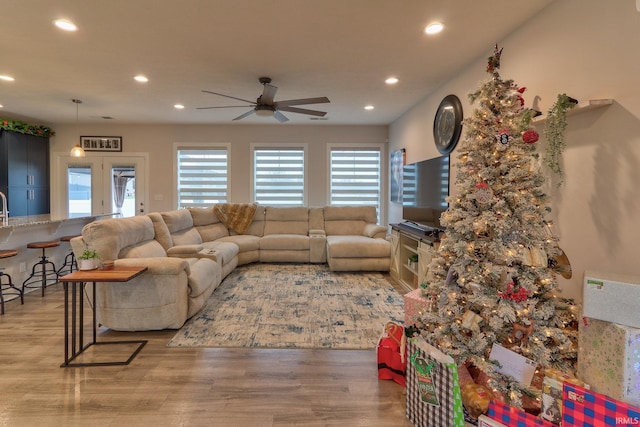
(78,280)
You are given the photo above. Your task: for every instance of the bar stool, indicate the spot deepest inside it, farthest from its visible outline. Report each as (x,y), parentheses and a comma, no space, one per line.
(8,287)
(41,277)
(70,262)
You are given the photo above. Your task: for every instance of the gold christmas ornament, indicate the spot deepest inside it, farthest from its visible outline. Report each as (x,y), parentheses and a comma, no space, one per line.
(471,320)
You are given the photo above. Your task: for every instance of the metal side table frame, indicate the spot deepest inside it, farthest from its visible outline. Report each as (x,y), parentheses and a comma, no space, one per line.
(78,281)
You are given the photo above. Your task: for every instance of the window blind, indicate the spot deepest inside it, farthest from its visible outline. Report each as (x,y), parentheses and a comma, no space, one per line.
(355,177)
(278,177)
(202,177)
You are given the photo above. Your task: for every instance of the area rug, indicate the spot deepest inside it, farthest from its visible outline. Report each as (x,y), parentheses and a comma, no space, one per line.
(294,306)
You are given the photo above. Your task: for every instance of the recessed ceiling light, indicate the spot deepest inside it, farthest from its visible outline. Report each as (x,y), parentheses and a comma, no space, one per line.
(369,107)
(7,78)
(63,24)
(391,80)
(179,107)
(434,28)
(140,78)
(1,106)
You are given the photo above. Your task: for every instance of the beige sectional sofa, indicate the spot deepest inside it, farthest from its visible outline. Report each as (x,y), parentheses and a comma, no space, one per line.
(190,251)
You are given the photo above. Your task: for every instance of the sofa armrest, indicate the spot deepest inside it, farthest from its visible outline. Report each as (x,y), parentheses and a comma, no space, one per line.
(375,231)
(159,265)
(317,233)
(184,251)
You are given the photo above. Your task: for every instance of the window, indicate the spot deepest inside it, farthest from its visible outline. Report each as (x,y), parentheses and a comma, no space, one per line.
(355,177)
(202,177)
(278,176)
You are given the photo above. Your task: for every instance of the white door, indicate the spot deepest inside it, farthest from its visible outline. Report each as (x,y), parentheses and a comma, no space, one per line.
(95,185)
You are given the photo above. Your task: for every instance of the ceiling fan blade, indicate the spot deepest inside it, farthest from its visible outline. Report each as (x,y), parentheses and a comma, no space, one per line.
(286,103)
(247,114)
(303,111)
(268,94)
(224,106)
(280,117)
(227,96)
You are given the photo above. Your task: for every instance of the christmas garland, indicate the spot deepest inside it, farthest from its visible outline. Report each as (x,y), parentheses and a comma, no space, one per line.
(554,132)
(26,128)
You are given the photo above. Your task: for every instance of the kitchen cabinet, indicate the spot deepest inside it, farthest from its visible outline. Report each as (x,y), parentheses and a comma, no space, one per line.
(24,173)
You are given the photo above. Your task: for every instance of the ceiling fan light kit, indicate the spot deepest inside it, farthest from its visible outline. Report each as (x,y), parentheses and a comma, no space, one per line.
(265,106)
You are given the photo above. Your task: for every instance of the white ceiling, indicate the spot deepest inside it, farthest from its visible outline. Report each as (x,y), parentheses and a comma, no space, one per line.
(342,49)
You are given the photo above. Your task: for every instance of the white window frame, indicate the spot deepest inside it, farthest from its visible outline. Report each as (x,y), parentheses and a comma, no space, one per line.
(199,146)
(275,146)
(382,204)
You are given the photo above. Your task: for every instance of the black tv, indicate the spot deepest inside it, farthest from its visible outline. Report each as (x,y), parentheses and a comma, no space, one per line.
(425,188)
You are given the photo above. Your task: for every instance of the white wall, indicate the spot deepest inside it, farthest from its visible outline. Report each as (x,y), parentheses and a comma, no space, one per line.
(158,141)
(589,50)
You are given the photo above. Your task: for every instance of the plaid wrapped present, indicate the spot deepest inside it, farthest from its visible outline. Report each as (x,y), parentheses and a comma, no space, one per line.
(433,389)
(512,417)
(586,408)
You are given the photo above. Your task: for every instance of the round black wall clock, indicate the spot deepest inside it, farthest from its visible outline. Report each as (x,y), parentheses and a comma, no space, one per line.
(447,125)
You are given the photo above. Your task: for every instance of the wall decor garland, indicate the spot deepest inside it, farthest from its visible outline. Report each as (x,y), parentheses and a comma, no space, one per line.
(555,126)
(26,128)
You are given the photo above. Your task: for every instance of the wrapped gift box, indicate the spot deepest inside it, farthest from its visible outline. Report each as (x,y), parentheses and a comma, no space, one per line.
(513,417)
(414,304)
(612,297)
(484,421)
(552,394)
(609,359)
(582,407)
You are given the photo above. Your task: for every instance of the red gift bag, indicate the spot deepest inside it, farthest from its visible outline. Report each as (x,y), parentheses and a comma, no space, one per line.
(392,363)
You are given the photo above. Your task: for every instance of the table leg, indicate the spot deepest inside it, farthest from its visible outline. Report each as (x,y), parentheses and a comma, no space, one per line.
(66,322)
(73,319)
(95,323)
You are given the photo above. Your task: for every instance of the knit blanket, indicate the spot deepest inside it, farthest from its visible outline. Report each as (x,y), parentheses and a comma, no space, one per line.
(236,216)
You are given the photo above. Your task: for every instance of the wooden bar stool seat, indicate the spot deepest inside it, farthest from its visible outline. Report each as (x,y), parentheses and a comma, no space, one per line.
(43,275)
(8,288)
(70,264)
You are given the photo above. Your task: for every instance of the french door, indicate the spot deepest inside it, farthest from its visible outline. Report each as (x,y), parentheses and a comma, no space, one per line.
(95,185)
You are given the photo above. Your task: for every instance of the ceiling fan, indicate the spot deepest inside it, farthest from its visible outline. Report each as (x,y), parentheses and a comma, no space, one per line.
(266,106)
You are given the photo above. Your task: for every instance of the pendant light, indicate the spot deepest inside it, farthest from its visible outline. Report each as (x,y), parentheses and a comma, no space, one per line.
(77,150)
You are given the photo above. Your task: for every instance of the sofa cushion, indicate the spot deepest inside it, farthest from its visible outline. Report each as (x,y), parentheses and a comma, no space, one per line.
(245,242)
(348,220)
(203,216)
(289,242)
(177,220)
(357,247)
(222,252)
(286,220)
(208,224)
(203,273)
(147,249)
(180,225)
(109,236)
(162,234)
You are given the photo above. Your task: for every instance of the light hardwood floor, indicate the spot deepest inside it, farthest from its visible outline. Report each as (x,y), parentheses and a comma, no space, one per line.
(182,387)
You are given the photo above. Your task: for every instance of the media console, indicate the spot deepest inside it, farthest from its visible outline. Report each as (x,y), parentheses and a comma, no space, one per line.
(413,245)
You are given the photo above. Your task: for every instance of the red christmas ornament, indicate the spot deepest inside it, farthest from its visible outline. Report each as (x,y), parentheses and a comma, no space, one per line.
(519,296)
(530,136)
(522,89)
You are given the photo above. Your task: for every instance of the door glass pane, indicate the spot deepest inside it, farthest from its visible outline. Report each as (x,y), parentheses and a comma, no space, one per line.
(123,189)
(79,179)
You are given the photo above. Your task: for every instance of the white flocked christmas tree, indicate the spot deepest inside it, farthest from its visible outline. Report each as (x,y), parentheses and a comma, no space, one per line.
(492,280)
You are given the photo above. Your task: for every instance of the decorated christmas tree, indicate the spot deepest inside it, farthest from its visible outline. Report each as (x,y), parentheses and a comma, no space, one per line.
(492,281)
